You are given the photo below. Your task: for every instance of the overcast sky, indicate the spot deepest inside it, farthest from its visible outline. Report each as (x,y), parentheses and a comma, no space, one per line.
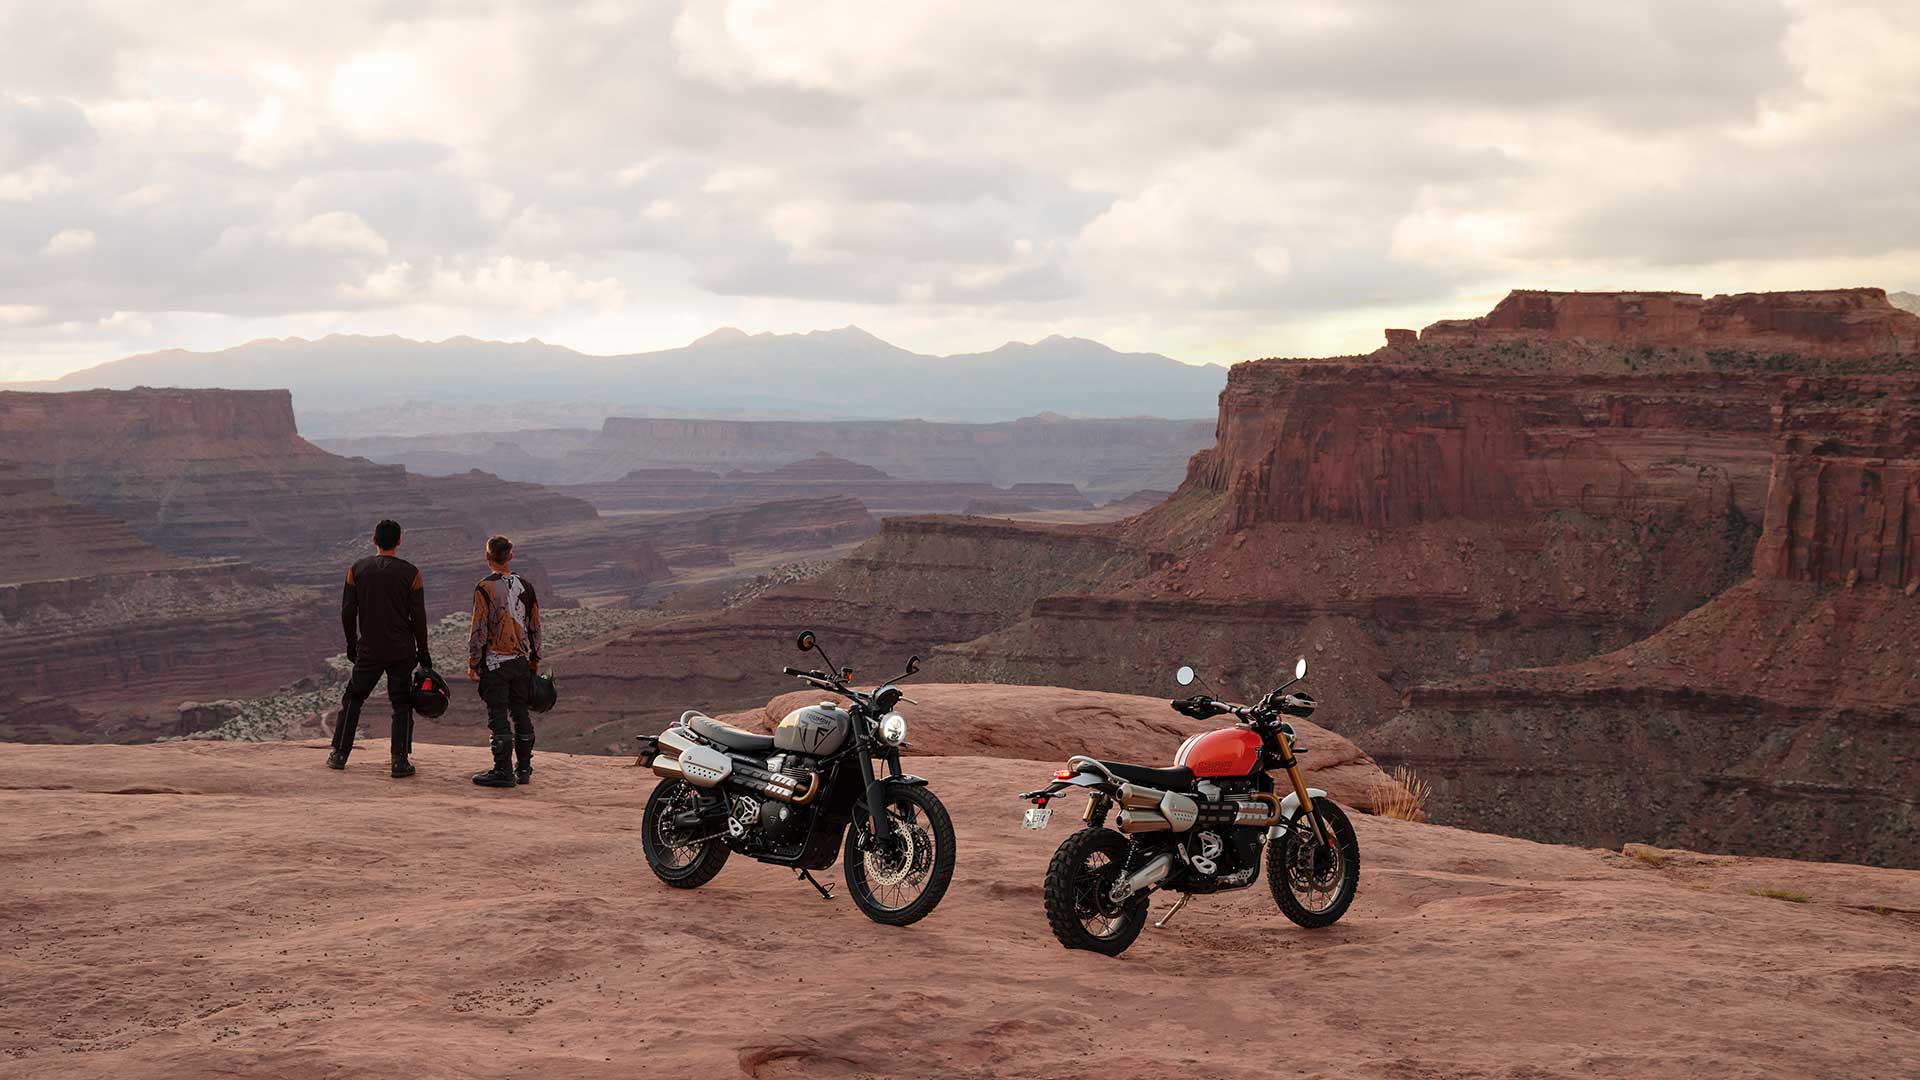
(1211,181)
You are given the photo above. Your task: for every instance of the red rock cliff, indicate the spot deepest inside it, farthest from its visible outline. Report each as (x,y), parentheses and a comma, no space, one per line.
(1843,502)
(1389,446)
(1826,321)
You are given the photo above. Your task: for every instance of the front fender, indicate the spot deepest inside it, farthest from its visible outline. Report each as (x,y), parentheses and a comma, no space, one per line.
(1289,809)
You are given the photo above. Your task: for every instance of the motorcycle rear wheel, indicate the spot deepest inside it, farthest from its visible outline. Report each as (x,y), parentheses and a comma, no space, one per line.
(1079,906)
(905,882)
(681,865)
(1312,883)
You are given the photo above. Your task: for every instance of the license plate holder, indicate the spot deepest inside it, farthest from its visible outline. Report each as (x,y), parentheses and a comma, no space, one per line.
(1036,817)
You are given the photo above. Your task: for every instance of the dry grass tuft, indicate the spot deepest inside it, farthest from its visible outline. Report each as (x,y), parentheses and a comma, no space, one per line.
(1791,896)
(1402,795)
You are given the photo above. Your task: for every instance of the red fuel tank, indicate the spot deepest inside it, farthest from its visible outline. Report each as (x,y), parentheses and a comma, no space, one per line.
(1230,751)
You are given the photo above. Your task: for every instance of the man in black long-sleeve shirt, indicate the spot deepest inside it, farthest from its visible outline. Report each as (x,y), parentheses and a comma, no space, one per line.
(383,610)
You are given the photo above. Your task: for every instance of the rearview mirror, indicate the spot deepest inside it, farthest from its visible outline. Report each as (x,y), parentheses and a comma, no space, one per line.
(913,664)
(1184,676)
(805,641)
(1300,668)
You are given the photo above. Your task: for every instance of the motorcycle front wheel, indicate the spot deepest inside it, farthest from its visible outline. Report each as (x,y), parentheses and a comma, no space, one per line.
(684,862)
(1314,882)
(901,879)
(1079,894)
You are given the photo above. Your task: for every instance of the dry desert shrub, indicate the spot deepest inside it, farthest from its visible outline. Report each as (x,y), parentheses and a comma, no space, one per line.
(1791,896)
(1402,795)
(1652,856)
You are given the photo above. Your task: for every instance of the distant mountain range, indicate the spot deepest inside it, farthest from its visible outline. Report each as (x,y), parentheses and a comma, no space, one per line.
(350,385)
(1906,301)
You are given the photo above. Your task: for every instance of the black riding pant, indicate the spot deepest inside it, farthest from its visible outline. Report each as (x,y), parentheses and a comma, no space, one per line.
(366,674)
(504,689)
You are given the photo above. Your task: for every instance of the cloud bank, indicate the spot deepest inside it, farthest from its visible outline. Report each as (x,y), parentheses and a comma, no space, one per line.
(1212,181)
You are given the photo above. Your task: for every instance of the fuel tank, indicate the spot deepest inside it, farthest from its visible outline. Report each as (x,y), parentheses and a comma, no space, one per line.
(1233,751)
(815,729)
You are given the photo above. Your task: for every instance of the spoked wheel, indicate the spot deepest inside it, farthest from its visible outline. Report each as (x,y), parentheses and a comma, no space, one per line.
(901,879)
(1314,882)
(1079,894)
(681,860)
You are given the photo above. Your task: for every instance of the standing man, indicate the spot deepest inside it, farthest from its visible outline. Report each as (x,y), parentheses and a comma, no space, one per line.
(384,612)
(503,656)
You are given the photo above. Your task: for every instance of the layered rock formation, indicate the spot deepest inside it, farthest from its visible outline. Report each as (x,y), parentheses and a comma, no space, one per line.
(1104,458)
(921,581)
(1777,718)
(1827,322)
(618,557)
(91,615)
(820,476)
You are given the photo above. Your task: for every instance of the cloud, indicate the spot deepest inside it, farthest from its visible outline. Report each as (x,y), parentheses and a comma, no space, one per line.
(1210,180)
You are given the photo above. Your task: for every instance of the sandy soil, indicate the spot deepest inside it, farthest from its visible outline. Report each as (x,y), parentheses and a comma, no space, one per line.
(237,910)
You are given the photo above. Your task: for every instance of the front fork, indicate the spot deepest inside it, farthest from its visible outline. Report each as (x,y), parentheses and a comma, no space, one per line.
(1292,765)
(877,793)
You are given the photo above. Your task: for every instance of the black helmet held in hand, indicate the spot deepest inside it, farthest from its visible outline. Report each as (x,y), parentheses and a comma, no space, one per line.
(429,693)
(541,694)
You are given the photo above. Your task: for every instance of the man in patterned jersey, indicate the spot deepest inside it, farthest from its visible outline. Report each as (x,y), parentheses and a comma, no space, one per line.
(503,656)
(383,610)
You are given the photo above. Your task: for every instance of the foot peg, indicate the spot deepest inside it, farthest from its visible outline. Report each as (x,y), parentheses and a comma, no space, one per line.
(825,891)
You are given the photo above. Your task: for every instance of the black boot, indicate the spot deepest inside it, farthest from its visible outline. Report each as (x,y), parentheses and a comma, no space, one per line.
(523,760)
(343,730)
(501,775)
(402,746)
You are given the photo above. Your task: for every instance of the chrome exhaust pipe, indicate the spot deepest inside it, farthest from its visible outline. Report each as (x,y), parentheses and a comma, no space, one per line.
(1140,821)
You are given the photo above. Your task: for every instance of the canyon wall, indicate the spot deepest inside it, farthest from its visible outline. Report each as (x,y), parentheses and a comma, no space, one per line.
(1778,718)
(1375,445)
(1843,501)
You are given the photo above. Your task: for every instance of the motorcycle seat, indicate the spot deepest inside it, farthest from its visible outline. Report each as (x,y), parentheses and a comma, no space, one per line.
(1178,778)
(729,736)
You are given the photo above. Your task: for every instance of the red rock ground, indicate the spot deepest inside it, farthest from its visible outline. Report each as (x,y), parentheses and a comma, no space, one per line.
(197,910)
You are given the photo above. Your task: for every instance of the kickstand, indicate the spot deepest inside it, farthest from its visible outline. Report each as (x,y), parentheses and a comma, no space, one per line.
(825,891)
(1174,910)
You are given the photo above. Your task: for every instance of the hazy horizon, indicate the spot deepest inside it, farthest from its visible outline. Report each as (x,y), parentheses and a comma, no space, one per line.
(1210,183)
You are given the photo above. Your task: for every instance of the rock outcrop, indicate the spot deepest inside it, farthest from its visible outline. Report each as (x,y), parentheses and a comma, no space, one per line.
(1837,322)
(1048,723)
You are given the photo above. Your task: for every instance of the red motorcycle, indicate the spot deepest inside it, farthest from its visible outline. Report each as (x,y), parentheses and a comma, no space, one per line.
(1198,827)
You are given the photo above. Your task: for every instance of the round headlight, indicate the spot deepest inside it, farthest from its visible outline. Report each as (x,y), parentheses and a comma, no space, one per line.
(893,729)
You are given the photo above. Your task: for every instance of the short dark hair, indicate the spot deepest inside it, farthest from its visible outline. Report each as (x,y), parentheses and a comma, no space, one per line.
(499,548)
(386,535)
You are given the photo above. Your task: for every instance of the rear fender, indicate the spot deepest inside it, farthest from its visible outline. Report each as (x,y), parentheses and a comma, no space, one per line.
(1290,809)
